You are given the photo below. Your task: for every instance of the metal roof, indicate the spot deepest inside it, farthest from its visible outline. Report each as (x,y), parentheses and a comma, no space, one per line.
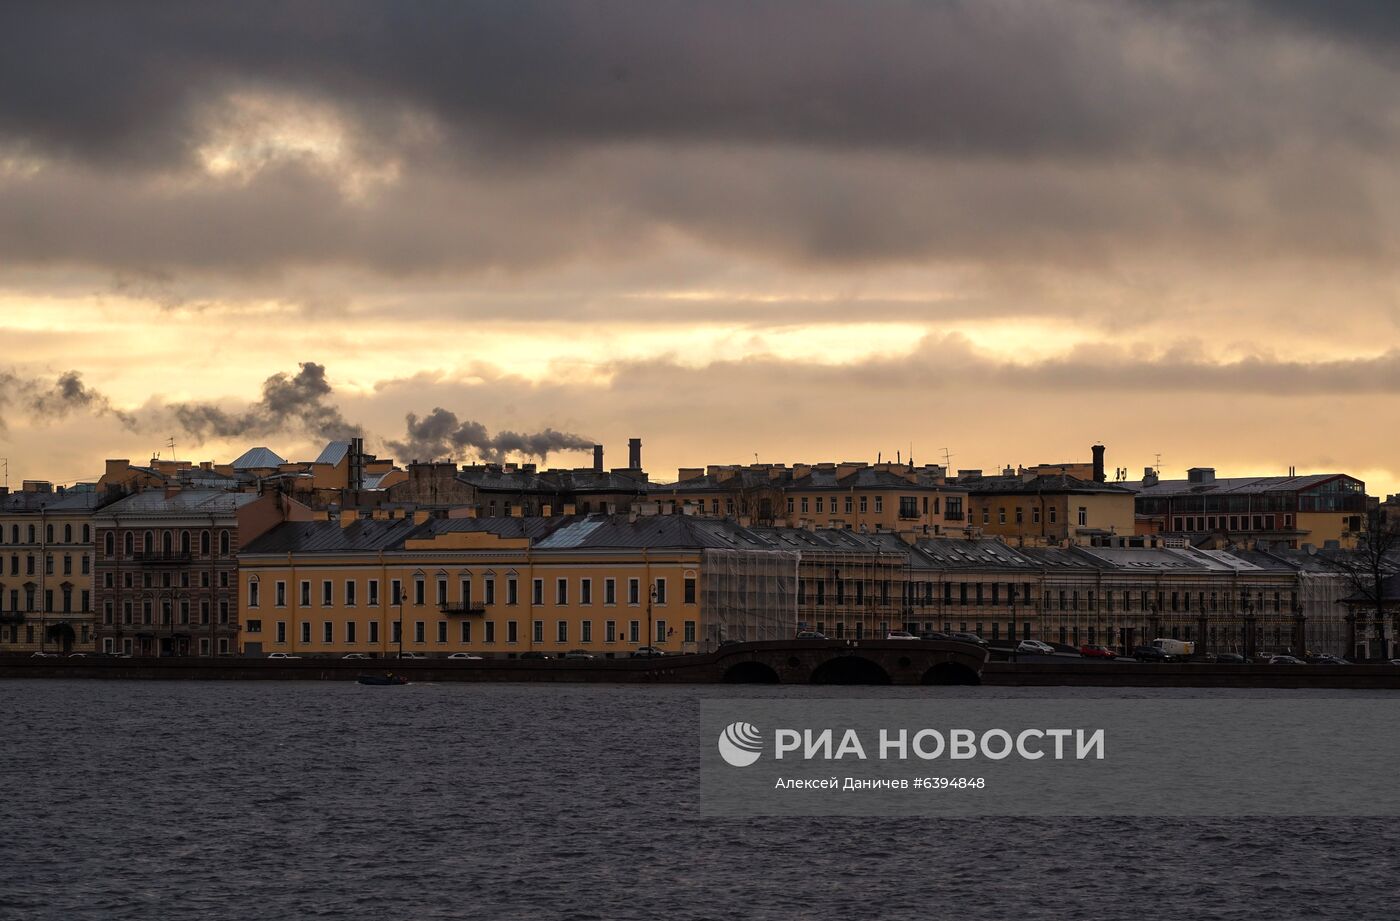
(333,453)
(257,457)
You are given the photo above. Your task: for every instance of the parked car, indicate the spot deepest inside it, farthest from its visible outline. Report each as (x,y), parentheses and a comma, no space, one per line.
(464,655)
(1327,660)
(1395,661)
(811,635)
(412,655)
(354,655)
(77,655)
(535,654)
(1096,651)
(44,655)
(1227,658)
(935,635)
(900,635)
(577,654)
(1035,648)
(969,638)
(1286,660)
(1150,654)
(647,652)
(282,655)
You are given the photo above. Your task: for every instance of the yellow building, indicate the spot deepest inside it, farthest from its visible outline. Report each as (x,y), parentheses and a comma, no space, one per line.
(502,587)
(46,569)
(850,495)
(1039,509)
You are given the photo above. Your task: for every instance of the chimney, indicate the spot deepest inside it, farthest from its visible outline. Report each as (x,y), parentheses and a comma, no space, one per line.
(634,454)
(1149,476)
(597,458)
(1098,463)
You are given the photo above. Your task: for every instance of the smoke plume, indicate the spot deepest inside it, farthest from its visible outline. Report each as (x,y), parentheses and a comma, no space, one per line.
(439,434)
(288,404)
(66,394)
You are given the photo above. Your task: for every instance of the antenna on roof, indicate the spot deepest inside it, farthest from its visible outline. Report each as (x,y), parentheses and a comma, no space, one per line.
(5,462)
(947,460)
(1158,465)
(170,443)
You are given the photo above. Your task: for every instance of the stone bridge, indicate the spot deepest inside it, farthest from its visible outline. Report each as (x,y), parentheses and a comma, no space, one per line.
(845,662)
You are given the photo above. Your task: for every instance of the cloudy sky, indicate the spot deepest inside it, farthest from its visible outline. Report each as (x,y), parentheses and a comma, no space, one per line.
(796,230)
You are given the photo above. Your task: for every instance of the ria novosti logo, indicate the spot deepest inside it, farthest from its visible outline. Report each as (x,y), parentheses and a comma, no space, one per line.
(740,744)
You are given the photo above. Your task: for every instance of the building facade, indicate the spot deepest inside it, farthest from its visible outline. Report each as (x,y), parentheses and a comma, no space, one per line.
(46,569)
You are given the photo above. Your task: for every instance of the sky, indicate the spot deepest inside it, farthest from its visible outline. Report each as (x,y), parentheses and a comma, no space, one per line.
(780,231)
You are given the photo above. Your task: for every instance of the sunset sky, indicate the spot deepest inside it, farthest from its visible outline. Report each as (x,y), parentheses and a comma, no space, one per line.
(797,230)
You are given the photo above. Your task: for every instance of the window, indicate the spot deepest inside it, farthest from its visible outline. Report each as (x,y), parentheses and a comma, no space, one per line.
(374,631)
(1083,516)
(863,504)
(327,593)
(306,594)
(1035,514)
(561,591)
(490,631)
(661,631)
(660,591)
(349,593)
(373,592)
(466,631)
(350,632)
(634,591)
(804,505)
(511,636)
(512,590)
(634,631)
(690,631)
(223,543)
(418,631)
(490,589)
(419,590)
(396,631)
(442,631)
(466,593)
(306,632)
(610,631)
(609,591)
(689,589)
(586,631)
(1053,514)
(1001,515)
(537,591)
(561,630)
(879,504)
(254,626)
(203,543)
(223,612)
(585,591)
(327,636)
(281,595)
(253,592)
(537,631)
(395,592)
(282,632)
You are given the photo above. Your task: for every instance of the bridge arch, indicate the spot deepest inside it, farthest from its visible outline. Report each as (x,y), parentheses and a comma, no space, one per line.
(850,670)
(750,673)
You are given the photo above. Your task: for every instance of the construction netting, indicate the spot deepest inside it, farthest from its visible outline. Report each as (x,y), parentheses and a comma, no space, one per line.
(748,595)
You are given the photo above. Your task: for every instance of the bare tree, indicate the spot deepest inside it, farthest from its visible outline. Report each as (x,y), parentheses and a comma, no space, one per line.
(1377,555)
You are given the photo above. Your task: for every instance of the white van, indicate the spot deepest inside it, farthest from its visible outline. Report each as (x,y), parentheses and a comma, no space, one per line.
(1177,649)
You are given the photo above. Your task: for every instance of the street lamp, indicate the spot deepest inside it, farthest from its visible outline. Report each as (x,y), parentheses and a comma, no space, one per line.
(651,627)
(400,624)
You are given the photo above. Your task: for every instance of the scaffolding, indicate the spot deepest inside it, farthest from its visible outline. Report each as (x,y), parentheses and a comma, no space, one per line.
(748,595)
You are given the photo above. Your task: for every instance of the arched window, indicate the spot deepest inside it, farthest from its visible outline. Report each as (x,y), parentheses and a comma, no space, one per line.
(129,544)
(109,546)
(87,534)
(167,543)
(148,543)
(185,542)
(68,534)
(31,534)
(203,543)
(48,534)
(223,543)
(14,533)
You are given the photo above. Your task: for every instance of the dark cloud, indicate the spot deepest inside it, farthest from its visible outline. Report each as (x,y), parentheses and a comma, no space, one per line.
(988,77)
(440,435)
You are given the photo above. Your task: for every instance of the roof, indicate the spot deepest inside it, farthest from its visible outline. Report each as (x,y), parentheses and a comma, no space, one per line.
(333,453)
(257,457)
(1241,485)
(1038,484)
(154,503)
(66,501)
(365,535)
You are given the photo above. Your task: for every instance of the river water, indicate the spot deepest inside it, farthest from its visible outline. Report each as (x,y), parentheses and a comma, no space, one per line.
(217,800)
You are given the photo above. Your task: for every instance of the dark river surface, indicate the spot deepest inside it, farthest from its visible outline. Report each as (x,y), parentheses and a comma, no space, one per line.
(128,799)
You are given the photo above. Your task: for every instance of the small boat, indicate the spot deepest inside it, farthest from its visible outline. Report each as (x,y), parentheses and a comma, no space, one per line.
(382,679)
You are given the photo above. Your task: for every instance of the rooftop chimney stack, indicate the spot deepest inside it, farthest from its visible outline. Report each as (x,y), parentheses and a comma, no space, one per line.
(1098,463)
(634,454)
(597,458)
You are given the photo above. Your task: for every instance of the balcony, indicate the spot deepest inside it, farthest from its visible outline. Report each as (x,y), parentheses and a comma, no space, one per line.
(161,557)
(11,617)
(470,608)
